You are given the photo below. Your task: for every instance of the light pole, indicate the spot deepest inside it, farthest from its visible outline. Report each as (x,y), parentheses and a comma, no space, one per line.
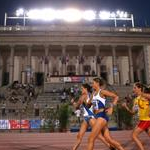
(5,20)
(132,18)
(24,18)
(115,22)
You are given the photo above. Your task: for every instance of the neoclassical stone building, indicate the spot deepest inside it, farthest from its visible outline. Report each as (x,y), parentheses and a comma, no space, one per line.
(117,54)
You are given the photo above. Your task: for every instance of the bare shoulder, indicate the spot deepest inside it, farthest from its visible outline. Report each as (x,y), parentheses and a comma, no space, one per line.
(108,93)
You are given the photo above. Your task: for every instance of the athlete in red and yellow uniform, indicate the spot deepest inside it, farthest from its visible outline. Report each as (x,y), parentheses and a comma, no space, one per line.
(142,107)
(143,112)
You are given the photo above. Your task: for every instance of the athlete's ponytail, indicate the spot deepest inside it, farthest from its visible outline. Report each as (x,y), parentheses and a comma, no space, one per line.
(88,87)
(100,81)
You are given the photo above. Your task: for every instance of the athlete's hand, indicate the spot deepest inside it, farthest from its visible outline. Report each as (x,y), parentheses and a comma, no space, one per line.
(109,111)
(72,101)
(124,105)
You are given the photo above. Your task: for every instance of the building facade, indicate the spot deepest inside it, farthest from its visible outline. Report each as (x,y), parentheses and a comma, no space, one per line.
(33,53)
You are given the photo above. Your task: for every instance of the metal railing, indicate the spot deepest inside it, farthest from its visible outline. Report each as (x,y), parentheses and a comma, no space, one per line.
(57,28)
(18,120)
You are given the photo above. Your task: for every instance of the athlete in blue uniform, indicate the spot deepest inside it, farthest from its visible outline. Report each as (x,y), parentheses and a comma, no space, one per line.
(87,114)
(98,100)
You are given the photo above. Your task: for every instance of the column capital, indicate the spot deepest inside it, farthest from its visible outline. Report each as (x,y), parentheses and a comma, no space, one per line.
(80,46)
(130,47)
(29,46)
(97,45)
(46,46)
(12,46)
(63,49)
(113,47)
(63,46)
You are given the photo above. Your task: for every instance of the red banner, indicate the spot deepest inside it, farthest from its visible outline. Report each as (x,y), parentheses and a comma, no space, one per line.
(16,124)
(77,79)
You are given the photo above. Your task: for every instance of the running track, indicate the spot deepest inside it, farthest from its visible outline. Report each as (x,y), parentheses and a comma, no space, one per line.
(61,141)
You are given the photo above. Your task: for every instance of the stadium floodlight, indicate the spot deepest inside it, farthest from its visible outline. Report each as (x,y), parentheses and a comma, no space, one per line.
(44,14)
(20,12)
(118,12)
(125,15)
(48,14)
(59,14)
(34,14)
(89,15)
(104,15)
(121,14)
(71,15)
(113,15)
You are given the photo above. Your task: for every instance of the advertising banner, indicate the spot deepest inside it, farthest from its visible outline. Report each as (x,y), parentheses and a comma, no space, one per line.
(16,124)
(4,124)
(35,124)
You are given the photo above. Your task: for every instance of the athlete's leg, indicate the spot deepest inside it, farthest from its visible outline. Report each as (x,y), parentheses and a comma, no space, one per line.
(100,136)
(99,125)
(80,134)
(111,140)
(135,135)
(148,131)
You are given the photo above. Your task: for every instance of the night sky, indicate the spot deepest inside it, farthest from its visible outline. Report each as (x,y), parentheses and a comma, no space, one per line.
(140,8)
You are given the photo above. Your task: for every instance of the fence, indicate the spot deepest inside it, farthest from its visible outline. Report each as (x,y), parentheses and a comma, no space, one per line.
(19,120)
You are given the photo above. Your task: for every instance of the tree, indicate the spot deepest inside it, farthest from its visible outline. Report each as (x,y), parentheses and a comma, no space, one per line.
(64,114)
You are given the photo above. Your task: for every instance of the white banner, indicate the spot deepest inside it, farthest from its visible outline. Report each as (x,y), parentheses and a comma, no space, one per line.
(4,124)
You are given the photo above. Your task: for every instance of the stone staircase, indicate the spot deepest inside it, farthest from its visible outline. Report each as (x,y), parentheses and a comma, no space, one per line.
(50,99)
(52,96)
(50,87)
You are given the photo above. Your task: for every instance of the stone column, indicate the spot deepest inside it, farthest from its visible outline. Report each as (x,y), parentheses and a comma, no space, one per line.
(80,63)
(1,69)
(131,74)
(146,49)
(11,65)
(46,60)
(29,65)
(50,62)
(64,57)
(115,68)
(97,63)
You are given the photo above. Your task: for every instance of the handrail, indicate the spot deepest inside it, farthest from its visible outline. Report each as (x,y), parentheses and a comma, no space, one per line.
(56,28)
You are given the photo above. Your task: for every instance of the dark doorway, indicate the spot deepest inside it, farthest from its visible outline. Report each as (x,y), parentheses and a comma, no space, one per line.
(143,76)
(71,73)
(136,79)
(39,78)
(103,69)
(5,79)
(104,75)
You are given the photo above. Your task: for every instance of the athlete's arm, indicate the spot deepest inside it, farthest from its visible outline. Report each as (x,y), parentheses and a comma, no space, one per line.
(79,102)
(112,95)
(89,103)
(131,111)
(115,97)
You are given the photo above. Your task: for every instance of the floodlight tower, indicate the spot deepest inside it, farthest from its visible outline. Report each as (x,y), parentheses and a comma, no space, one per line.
(69,15)
(20,14)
